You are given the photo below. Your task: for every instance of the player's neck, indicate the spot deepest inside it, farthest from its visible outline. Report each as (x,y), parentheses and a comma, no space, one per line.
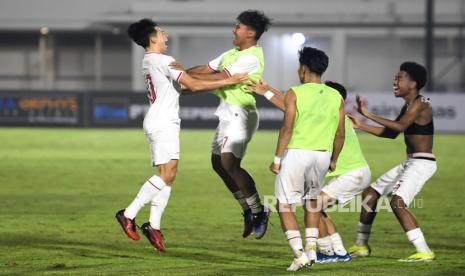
(247,45)
(410,97)
(153,49)
(311,78)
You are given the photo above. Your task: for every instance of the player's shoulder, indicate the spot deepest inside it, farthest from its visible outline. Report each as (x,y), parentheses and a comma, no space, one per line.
(158,58)
(166,59)
(423,102)
(250,57)
(424,99)
(332,92)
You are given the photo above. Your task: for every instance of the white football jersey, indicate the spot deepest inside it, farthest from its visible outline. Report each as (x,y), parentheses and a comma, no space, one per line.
(163,91)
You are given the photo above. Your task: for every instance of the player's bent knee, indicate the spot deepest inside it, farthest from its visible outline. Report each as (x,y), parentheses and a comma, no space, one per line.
(168,178)
(370,193)
(230,166)
(326,200)
(168,174)
(397,203)
(216,163)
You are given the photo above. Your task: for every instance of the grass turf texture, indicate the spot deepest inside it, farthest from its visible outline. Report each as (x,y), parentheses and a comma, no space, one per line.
(60,190)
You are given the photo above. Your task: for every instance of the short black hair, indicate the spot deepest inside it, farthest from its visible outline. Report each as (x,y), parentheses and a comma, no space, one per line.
(141,31)
(339,87)
(316,60)
(255,20)
(416,72)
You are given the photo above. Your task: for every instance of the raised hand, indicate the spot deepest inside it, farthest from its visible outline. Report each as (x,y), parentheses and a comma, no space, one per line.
(361,107)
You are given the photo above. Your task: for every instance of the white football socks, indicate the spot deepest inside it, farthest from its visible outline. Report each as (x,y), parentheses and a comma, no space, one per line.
(311,235)
(239,196)
(325,245)
(416,237)
(159,203)
(295,241)
(146,193)
(338,246)
(363,234)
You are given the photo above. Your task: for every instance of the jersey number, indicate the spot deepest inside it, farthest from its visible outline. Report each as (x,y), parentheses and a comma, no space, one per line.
(152,93)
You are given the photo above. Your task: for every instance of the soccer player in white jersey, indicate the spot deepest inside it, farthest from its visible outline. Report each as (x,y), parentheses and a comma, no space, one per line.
(238,116)
(161,127)
(406,180)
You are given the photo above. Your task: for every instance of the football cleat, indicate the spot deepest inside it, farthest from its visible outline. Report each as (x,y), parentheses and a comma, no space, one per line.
(343,258)
(154,236)
(310,251)
(260,223)
(299,263)
(129,225)
(248,223)
(419,257)
(360,251)
(322,258)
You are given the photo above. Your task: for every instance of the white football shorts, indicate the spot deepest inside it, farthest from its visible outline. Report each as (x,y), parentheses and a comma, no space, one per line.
(164,144)
(407,179)
(301,176)
(235,129)
(345,187)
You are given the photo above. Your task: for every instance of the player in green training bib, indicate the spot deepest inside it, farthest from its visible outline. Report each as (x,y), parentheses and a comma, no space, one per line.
(351,177)
(309,144)
(238,116)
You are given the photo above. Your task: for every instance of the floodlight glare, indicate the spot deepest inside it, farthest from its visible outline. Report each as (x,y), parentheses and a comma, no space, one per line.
(298,38)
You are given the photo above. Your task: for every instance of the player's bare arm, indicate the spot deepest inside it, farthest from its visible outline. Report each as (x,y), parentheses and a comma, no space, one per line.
(202,72)
(339,138)
(201,69)
(377,131)
(196,85)
(261,88)
(399,126)
(285,133)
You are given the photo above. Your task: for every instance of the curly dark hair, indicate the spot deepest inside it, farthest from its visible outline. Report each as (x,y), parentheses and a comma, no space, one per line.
(416,72)
(316,60)
(255,20)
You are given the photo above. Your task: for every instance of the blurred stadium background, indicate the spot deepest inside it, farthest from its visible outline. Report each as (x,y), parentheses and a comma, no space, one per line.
(69,65)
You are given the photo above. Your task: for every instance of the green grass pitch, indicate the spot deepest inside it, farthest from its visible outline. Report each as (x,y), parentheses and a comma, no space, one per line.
(60,189)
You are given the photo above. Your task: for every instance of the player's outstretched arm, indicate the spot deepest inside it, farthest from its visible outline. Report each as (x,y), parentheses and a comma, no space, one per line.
(285,133)
(377,131)
(339,138)
(269,92)
(197,85)
(200,69)
(399,125)
(202,72)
